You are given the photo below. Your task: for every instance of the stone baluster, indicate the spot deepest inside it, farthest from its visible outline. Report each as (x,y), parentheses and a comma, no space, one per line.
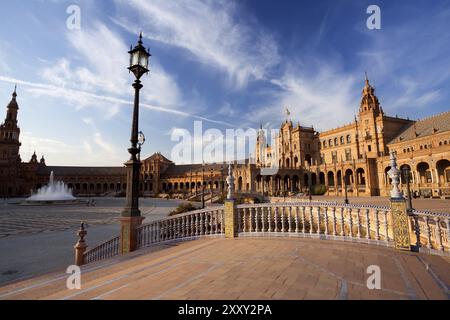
(192,226)
(207,223)
(275,227)
(333,212)
(283,218)
(217,222)
(183,226)
(358,221)
(325,211)
(386,225)
(250,220)
(342,222)
(290,219)
(368,224)
(197,224)
(245,219)
(263,220)
(377,225)
(303,219)
(269,218)
(202,224)
(447,221)
(311,220)
(350,221)
(437,221)
(257,219)
(318,220)
(240,217)
(296,220)
(427,221)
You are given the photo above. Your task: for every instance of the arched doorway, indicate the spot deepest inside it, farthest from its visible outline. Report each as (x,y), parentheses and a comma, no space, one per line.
(330,179)
(443,169)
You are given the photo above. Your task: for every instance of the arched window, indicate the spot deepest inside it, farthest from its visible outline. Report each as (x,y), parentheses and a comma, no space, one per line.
(324,143)
(349,139)
(342,140)
(335,141)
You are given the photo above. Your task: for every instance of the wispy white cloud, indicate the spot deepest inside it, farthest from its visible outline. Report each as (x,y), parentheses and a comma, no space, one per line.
(212,31)
(80,96)
(326,97)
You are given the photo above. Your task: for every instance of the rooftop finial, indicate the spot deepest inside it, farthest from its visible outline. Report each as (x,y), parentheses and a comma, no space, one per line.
(15,91)
(140,38)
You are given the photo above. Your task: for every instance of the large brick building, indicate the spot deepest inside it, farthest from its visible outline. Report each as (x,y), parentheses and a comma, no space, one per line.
(355,155)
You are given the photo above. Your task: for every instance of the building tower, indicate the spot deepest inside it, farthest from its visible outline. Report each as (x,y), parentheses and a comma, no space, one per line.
(9,149)
(370,122)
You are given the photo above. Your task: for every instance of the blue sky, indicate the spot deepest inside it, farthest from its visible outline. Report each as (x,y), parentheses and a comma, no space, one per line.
(233,64)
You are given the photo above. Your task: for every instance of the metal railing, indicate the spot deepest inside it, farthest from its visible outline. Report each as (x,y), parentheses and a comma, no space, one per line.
(190,225)
(105,250)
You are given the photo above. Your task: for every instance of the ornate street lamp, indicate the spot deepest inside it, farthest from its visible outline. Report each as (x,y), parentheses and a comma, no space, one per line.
(131,215)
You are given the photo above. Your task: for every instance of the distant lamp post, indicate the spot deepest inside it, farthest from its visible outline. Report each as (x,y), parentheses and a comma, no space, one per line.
(406,176)
(131,215)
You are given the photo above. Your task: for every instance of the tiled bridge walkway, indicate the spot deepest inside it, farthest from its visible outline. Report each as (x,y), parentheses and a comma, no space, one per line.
(275,268)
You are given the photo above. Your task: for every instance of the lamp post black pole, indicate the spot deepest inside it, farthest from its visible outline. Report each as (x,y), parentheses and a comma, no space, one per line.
(131,215)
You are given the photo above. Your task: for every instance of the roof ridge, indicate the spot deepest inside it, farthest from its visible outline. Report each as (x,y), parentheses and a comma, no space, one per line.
(433,116)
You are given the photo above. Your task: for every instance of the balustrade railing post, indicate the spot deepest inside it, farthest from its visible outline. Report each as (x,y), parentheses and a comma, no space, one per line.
(325,212)
(333,211)
(350,221)
(358,221)
(245,214)
(256,220)
(437,222)
(311,220)
(269,218)
(342,222)
(231,217)
(303,219)
(427,221)
(290,219)
(263,220)
(197,224)
(318,220)
(377,225)
(386,225)
(368,224)
(417,231)
(275,217)
(283,217)
(296,220)
(80,247)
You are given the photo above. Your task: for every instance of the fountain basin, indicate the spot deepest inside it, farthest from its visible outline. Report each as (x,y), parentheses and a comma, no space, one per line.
(55,192)
(51,202)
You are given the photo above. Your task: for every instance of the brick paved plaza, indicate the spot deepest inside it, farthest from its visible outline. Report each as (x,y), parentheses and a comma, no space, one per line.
(250,269)
(38,239)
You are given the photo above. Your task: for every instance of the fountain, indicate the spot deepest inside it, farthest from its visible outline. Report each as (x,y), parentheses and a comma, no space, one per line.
(55,192)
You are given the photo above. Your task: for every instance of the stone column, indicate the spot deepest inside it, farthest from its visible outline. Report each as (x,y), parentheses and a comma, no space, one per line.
(128,233)
(399,213)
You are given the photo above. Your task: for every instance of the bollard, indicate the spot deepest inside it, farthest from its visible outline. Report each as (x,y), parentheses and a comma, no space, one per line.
(80,246)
